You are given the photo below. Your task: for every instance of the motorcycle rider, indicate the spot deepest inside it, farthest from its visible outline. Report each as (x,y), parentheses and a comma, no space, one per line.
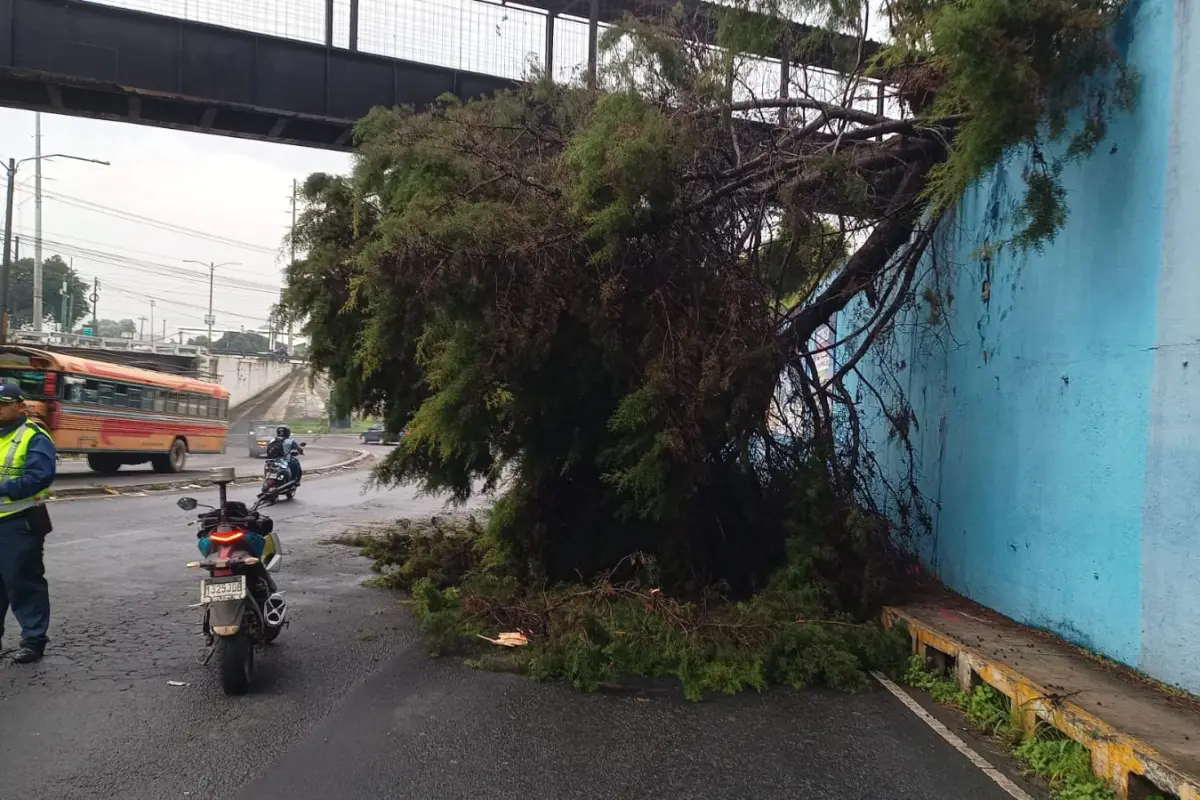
(289,449)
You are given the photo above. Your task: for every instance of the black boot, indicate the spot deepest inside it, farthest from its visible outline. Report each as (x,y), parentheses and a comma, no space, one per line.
(28,653)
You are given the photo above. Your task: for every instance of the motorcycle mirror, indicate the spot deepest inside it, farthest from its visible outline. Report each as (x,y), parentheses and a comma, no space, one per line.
(187,503)
(304,444)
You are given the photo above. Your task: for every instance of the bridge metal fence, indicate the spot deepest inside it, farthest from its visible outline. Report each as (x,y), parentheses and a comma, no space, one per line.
(470,35)
(480,36)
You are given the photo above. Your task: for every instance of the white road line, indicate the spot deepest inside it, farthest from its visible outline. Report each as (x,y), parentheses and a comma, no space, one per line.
(958,744)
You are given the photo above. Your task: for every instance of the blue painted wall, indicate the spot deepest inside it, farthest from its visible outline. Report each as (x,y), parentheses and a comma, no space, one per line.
(1056,422)
(1170,565)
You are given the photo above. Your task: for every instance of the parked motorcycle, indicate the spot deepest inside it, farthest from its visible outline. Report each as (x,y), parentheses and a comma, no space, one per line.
(277,476)
(243,607)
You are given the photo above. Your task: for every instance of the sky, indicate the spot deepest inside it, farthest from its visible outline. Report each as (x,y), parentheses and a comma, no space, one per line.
(170,197)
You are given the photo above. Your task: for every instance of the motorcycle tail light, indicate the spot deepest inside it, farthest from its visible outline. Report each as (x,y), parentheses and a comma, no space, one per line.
(227,537)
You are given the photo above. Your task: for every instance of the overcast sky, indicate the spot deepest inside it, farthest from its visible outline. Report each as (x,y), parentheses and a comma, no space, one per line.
(169,197)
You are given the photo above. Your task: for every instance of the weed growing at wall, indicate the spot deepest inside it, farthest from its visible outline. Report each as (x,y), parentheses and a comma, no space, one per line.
(1065,764)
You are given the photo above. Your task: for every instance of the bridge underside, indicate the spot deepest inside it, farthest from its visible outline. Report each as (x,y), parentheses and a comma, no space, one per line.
(82,59)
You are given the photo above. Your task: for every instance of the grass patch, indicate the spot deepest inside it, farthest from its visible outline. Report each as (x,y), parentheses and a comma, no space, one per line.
(1063,763)
(621,625)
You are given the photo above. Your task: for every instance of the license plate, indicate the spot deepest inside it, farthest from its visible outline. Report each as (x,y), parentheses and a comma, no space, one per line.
(214,591)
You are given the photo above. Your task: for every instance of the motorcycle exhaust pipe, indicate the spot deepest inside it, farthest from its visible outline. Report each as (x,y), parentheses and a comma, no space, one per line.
(275,610)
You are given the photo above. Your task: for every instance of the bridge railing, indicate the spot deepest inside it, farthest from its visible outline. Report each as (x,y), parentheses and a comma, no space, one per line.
(51,339)
(481,36)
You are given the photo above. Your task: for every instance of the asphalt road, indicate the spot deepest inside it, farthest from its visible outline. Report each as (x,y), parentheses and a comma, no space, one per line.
(347,706)
(322,451)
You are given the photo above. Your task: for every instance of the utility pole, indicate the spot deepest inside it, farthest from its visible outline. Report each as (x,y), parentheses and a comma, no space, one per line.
(37,223)
(6,260)
(68,292)
(66,296)
(151,320)
(210,319)
(6,266)
(95,302)
(142,328)
(292,238)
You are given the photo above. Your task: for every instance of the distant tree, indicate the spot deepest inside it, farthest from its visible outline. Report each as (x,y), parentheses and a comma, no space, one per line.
(199,341)
(54,272)
(242,342)
(115,329)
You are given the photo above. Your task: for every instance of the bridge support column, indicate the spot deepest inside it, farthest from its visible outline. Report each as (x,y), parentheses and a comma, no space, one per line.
(329,23)
(548,61)
(593,33)
(354,26)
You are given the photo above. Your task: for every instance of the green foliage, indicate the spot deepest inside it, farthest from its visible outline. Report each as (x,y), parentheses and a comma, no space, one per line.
(55,272)
(1020,73)
(589,635)
(1065,764)
(574,298)
(942,689)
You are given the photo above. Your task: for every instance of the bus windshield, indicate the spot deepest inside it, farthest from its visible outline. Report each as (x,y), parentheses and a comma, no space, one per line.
(31,382)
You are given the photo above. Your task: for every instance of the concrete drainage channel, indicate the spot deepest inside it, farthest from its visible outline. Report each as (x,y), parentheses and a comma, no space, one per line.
(358,458)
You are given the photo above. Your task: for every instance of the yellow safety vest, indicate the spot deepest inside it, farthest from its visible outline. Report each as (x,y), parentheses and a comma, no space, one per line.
(14,446)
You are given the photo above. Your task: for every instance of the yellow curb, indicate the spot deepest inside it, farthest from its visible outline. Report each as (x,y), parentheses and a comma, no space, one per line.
(1115,756)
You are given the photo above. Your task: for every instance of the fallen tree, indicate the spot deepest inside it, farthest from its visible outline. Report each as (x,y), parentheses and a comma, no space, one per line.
(587,299)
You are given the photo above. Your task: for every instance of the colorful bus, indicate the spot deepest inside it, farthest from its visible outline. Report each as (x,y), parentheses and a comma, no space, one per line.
(117,415)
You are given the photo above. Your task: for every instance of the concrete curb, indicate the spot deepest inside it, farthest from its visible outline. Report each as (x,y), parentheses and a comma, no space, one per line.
(184,483)
(1115,755)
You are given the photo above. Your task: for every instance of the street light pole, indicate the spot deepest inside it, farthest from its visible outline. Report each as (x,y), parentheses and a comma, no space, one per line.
(212,273)
(6,263)
(210,320)
(37,223)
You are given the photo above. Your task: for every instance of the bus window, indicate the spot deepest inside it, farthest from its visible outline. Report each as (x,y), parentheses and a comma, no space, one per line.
(31,382)
(120,396)
(148,396)
(201,406)
(73,390)
(105,391)
(224,412)
(133,396)
(160,399)
(173,403)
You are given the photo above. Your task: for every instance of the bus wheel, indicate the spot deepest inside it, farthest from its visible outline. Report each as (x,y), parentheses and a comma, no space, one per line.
(173,461)
(102,463)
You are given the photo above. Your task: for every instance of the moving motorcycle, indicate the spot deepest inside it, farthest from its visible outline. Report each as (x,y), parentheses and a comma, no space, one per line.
(277,475)
(243,607)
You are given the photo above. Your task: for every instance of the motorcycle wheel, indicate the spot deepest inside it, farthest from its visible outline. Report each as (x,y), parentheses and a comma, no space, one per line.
(236,657)
(291,495)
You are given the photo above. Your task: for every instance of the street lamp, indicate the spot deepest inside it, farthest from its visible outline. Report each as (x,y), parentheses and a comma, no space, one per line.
(210,319)
(6,263)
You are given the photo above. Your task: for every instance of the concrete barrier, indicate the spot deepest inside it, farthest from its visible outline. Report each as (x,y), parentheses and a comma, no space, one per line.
(246,377)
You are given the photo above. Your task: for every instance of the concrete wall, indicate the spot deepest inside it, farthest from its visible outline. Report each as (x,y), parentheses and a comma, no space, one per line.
(1058,436)
(245,377)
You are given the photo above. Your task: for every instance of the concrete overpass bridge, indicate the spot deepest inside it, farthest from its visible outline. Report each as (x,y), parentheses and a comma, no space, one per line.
(306,87)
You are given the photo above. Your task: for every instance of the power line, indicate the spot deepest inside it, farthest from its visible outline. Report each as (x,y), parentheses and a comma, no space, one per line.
(180,303)
(119,250)
(129,216)
(153,268)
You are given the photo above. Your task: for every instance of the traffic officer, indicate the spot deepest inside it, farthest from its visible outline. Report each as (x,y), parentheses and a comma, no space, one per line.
(27,468)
